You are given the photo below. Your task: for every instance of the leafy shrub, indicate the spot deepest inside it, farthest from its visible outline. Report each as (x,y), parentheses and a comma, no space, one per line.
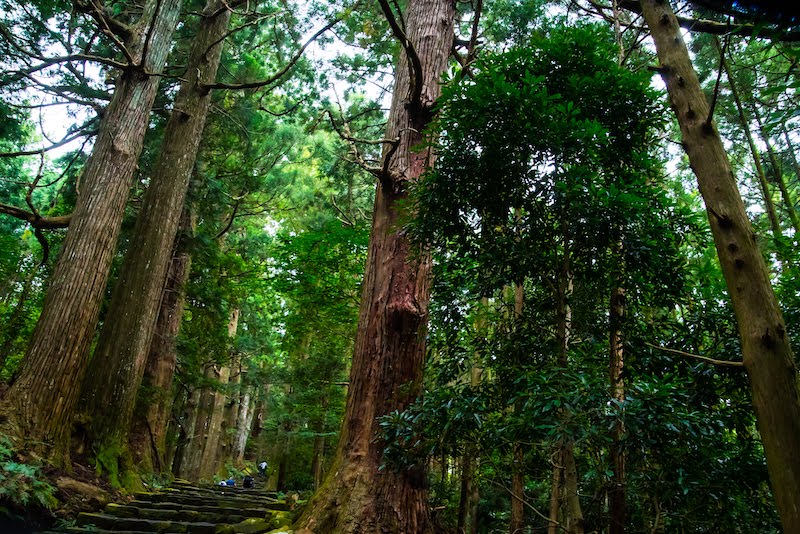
(22,485)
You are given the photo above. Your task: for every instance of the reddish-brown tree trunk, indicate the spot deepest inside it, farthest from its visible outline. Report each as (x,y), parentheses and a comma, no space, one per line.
(390,345)
(117,367)
(151,419)
(767,353)
(48,387)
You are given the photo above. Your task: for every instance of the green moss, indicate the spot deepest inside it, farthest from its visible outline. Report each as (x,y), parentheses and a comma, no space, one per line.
(114,462)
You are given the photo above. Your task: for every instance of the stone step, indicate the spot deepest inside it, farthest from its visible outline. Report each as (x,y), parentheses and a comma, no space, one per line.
(82,530)
(248,512)
(212,500)
(117,524)
(204,490)
(231,515)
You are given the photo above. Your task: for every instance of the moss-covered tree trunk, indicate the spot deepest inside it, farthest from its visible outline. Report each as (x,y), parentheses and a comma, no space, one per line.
(117,367)
(389,351)
(48,386)
(767,353)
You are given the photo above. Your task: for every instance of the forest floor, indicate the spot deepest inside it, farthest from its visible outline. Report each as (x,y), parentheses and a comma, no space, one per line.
(80,490)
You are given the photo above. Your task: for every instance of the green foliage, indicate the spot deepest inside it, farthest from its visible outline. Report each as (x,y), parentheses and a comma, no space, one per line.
(548,158)
(22,485)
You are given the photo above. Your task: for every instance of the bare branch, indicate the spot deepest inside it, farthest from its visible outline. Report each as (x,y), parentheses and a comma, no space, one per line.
(67,139)
(414,63)
(722,49)
(723,363)
(46,223)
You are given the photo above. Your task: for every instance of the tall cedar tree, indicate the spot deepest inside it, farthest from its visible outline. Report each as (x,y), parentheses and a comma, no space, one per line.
(46,392)
(116,370)
(766,351)
(386,375)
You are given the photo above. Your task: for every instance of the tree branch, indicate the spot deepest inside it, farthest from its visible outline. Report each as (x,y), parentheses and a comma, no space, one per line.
(46,223)
(102,15)
(723,28)
(67,139)
(722,51)
(278,75)
(723,363)
(414,63)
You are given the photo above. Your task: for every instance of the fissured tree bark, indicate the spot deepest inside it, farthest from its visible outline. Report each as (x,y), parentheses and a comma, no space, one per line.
(117,368)
(47,389)
(148,436)
(357,496)
(767,353)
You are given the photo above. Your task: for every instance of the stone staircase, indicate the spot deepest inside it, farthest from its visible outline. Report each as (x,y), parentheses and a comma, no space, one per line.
(188,509)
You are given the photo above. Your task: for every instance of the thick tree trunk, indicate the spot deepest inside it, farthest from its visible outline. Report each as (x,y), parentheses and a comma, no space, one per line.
(149,431)
(244,422)
(233,392)
(198,413)
(766,350)
(390,345)
(209,457)
(48,387)
(117,367)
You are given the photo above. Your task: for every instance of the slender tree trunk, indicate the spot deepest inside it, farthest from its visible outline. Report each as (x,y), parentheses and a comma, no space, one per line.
(390,344)
(517,521)
(470,461)
(777,173)
(790,149)
(283,463)
(565,466)
(617,493)
(769,205)
(14,322)
(148,437)
(767,353)
(556,491)
(48,387)
(117,367)
(319,444)
(318,460)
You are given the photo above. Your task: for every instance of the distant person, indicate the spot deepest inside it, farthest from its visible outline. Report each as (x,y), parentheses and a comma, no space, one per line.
(230,482)
(248,482)
(262,469)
